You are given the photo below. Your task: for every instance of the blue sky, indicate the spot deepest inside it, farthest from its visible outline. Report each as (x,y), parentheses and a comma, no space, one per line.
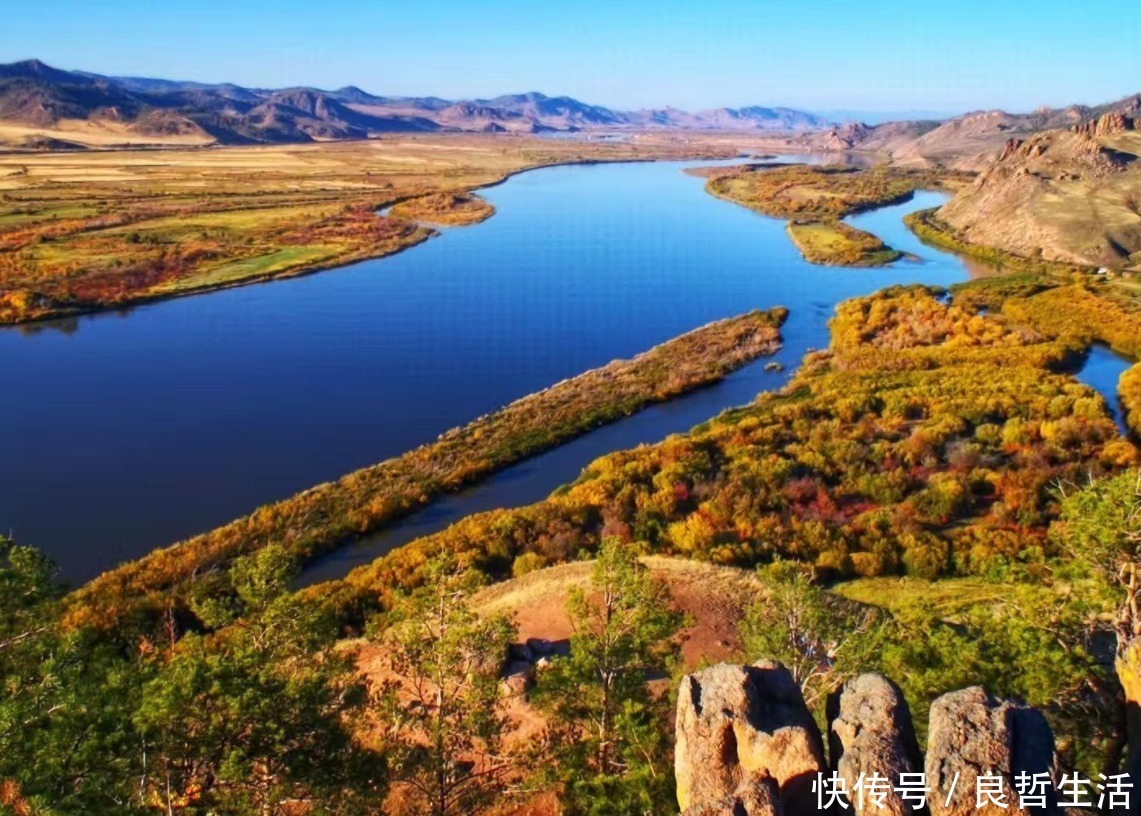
(948,56)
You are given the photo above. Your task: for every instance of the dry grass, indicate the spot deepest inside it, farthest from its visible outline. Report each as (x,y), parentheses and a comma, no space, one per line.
(1058,197)
(804,192)
(816,198)
(714,598)
(102,133)
(445,209)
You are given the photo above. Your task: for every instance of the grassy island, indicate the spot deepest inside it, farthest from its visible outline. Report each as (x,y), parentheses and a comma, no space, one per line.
(834,243)
(814,199)
(809,192)
(446,209)
(329,514)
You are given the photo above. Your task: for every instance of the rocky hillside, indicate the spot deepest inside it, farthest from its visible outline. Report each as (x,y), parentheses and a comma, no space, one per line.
(1069,195)
(968,142)
(38,101)
(747,745)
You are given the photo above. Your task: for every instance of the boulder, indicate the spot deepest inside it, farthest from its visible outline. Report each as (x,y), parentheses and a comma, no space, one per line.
(540,647)
(973,734)
(518,679)
(741,729)
(759,800)
(870,731)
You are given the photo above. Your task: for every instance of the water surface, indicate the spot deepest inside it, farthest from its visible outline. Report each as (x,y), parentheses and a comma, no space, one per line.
(127,431)
(1101,370)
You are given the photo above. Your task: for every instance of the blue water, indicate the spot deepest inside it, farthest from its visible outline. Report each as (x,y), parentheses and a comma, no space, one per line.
(1101,370)
(123,432)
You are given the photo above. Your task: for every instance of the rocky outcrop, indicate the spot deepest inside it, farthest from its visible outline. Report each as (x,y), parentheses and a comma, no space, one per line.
(972,734)
(1128,669)
(746,743)
(525,660)
(869,732)
(747,746)
(1107,125)
(761,799)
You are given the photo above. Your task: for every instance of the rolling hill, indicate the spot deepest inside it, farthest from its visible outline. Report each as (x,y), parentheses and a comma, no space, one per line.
(1069,195)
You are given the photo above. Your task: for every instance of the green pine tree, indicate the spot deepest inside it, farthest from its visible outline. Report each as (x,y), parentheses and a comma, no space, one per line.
(255,717)
(443,705)
(609,732)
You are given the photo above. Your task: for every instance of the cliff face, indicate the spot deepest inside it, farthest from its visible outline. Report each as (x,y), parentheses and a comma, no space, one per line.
(747,746)
(1067,195)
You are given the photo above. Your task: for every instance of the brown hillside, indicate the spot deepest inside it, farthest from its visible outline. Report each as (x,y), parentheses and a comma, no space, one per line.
(1067,196)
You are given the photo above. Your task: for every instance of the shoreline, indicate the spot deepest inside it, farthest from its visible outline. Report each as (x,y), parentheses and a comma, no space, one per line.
(930,230)
(329,515)
(424,232)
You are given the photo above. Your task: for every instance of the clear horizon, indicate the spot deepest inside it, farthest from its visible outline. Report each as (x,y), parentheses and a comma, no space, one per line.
(905,58)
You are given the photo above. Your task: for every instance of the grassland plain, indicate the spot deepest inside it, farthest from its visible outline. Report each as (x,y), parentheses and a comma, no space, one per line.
(101,229)
(815,198)
(322,517)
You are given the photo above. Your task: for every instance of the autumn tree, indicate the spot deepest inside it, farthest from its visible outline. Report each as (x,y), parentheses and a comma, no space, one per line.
(442,703)
(609,732)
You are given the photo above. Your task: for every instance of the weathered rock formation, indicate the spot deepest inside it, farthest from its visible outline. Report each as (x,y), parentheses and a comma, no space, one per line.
(746,743)
(972,734)
(747,746)
(869,732)
(1107,125)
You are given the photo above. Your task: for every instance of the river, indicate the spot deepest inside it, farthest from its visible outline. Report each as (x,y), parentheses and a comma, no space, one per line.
(130,430)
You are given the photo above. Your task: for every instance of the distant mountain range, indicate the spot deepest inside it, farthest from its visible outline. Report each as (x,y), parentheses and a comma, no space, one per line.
(46,103)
